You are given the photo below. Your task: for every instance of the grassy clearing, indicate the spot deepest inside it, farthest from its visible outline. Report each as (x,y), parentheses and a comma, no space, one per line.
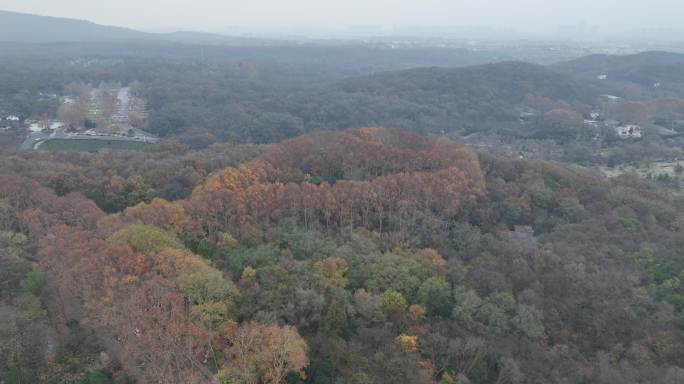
(661,172)
(655,168)
(90,145)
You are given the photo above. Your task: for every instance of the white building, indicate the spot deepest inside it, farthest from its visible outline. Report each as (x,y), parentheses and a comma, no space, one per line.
(602,77)
(12,118)
(629,131)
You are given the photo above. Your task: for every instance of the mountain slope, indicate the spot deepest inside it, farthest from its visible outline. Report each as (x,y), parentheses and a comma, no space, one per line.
(507,81)
(644,74)
(598,62)
(20,27)
(448,99)
(26,28)
(428,100)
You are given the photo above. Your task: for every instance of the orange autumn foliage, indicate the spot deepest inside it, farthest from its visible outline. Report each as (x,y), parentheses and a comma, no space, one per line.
(371,178)
(164,214)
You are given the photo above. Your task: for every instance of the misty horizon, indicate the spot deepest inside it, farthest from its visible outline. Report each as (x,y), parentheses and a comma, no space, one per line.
(344,192)
(578,20)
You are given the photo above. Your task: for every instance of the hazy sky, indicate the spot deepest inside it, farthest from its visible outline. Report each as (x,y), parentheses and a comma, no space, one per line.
(284,15)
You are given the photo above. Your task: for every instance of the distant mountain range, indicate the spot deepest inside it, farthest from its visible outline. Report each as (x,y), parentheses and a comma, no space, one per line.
(26,28)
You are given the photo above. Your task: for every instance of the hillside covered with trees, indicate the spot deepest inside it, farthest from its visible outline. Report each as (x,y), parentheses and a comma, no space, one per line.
(646,74)
(358,256)
(347,193)
(267,94)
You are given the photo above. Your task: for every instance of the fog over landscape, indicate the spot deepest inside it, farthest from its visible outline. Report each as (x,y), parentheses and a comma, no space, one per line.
(579,19)
(341,192)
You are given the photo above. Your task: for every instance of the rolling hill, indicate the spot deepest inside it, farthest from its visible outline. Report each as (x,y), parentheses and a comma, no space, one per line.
(439,99)
(435,100)
(506,81)
(646,74)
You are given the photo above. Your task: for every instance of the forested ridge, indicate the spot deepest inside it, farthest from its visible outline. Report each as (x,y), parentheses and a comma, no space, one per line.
(426,100)
(631,76)
(359,256)
(270,94)
(192,208)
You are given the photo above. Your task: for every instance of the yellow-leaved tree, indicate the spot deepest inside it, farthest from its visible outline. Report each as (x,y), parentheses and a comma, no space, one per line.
(260,353)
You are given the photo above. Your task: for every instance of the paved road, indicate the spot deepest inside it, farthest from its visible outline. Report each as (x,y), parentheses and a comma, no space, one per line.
(35,138)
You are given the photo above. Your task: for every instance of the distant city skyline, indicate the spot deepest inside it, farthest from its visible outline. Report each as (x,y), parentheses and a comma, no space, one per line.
(581,19)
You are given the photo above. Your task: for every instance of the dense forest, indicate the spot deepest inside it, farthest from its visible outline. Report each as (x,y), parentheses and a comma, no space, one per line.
(266,102)
(647,74)
(201,95)
(246,94)
(361,256)
(350,213)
